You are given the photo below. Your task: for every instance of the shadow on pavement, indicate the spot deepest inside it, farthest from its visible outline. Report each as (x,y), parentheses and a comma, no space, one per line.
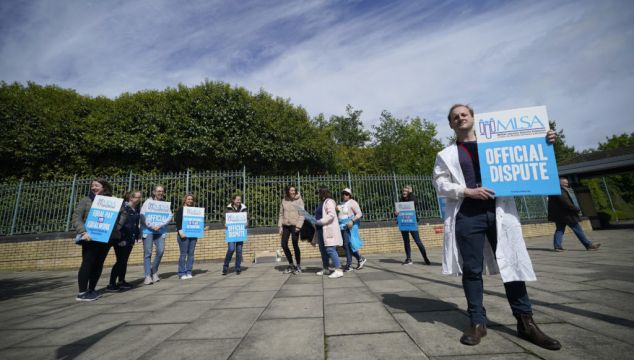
(73,350)
(16,288)
(418,307)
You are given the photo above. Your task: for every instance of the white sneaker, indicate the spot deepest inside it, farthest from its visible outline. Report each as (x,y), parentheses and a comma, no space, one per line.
(148,280)
(155,278)
(322,272)
(189,276)
(336,274)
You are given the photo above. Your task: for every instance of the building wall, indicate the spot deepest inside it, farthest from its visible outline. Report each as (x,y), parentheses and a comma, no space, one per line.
(64,254)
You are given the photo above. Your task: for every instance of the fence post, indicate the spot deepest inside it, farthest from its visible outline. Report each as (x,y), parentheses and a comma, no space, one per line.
(607,191)
(528,213)
(244,182)
(70,203)
(298,183)
(17,207)
(395,186)
(187,182)
(349,181)
(129,181)
(545,203)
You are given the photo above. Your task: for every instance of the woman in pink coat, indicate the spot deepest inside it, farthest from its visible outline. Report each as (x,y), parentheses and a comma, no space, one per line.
(328,236)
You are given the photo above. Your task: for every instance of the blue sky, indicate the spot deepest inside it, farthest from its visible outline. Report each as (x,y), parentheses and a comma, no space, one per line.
(412,58)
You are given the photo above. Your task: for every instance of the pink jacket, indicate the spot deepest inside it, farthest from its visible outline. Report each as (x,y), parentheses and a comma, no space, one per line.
(332,234)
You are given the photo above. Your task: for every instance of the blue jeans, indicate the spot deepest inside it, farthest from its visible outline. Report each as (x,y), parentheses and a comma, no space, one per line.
(327,251)
(473,224)
(187,247)
(237,247)
(346,246)
(419,243)
(159,240)
(576,228)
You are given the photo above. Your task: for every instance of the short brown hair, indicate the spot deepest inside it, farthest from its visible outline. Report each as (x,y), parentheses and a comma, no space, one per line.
(457,106)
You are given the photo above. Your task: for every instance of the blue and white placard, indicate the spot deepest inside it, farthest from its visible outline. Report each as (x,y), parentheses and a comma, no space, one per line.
(236,227)
(193,222)
(102,217)
(156,213)
(515,158)
(406,217)
(442,204)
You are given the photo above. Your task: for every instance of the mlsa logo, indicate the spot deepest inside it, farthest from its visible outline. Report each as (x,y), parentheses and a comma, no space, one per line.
(491,126)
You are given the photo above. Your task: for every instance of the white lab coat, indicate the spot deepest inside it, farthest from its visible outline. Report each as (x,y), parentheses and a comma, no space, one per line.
(513,262)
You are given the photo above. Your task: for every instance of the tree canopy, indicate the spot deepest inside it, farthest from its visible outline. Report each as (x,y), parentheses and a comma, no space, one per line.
(52,132)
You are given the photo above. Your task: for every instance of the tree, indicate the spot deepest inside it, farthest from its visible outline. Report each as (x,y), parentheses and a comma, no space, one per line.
(563,152)
(348,129)
(405,146)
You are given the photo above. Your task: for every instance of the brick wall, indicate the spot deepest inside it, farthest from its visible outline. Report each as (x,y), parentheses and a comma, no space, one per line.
(64,254)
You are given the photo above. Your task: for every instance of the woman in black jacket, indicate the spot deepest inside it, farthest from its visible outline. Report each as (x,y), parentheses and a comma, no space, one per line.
(93,253)
(130,233)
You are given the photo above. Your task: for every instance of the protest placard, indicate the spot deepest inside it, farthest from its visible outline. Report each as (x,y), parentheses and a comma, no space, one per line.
(193,222)
(156,212)
(406,217)
(236,227)
(102,217)
(515,158)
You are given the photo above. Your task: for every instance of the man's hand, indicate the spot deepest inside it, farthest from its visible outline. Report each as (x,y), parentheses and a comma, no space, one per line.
(281,231)
(349,224)
(480,193)
(551,136)
(156,228)
(181,234)
(86,237)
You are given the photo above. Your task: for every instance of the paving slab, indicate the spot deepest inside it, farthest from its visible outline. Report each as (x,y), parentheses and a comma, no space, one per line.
(349,295)
(438,333)
(283,339)
(397,345)
(219,349)
(354,318)
(246,299)
(213,293)
(180,312)
(220,324)
(295,307)
(301,290)
(131,341)
(84,332)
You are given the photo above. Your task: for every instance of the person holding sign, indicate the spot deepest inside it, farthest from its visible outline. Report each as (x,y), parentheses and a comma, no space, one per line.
(290,222)
(349,218)
(190,225)
(93,253)
(130,233)
(474,214)
(328,235)
(409,227)
(155,216)
(236,233)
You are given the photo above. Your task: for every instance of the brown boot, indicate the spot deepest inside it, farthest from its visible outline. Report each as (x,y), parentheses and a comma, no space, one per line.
(593,247)
(528,330)
(473,334)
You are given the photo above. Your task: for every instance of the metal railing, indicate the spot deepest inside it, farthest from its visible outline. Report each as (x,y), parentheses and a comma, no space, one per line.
(47,206)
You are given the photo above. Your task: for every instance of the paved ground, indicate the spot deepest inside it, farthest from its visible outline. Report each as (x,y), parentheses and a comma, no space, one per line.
(385,311)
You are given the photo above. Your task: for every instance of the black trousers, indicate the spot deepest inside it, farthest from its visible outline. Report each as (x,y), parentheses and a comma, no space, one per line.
(289,231)
(121,266)
(93,254)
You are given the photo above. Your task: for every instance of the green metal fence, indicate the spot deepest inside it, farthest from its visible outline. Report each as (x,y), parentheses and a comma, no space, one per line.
(47,206)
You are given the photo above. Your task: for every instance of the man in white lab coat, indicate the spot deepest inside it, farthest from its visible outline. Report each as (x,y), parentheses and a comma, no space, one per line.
(473,213)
